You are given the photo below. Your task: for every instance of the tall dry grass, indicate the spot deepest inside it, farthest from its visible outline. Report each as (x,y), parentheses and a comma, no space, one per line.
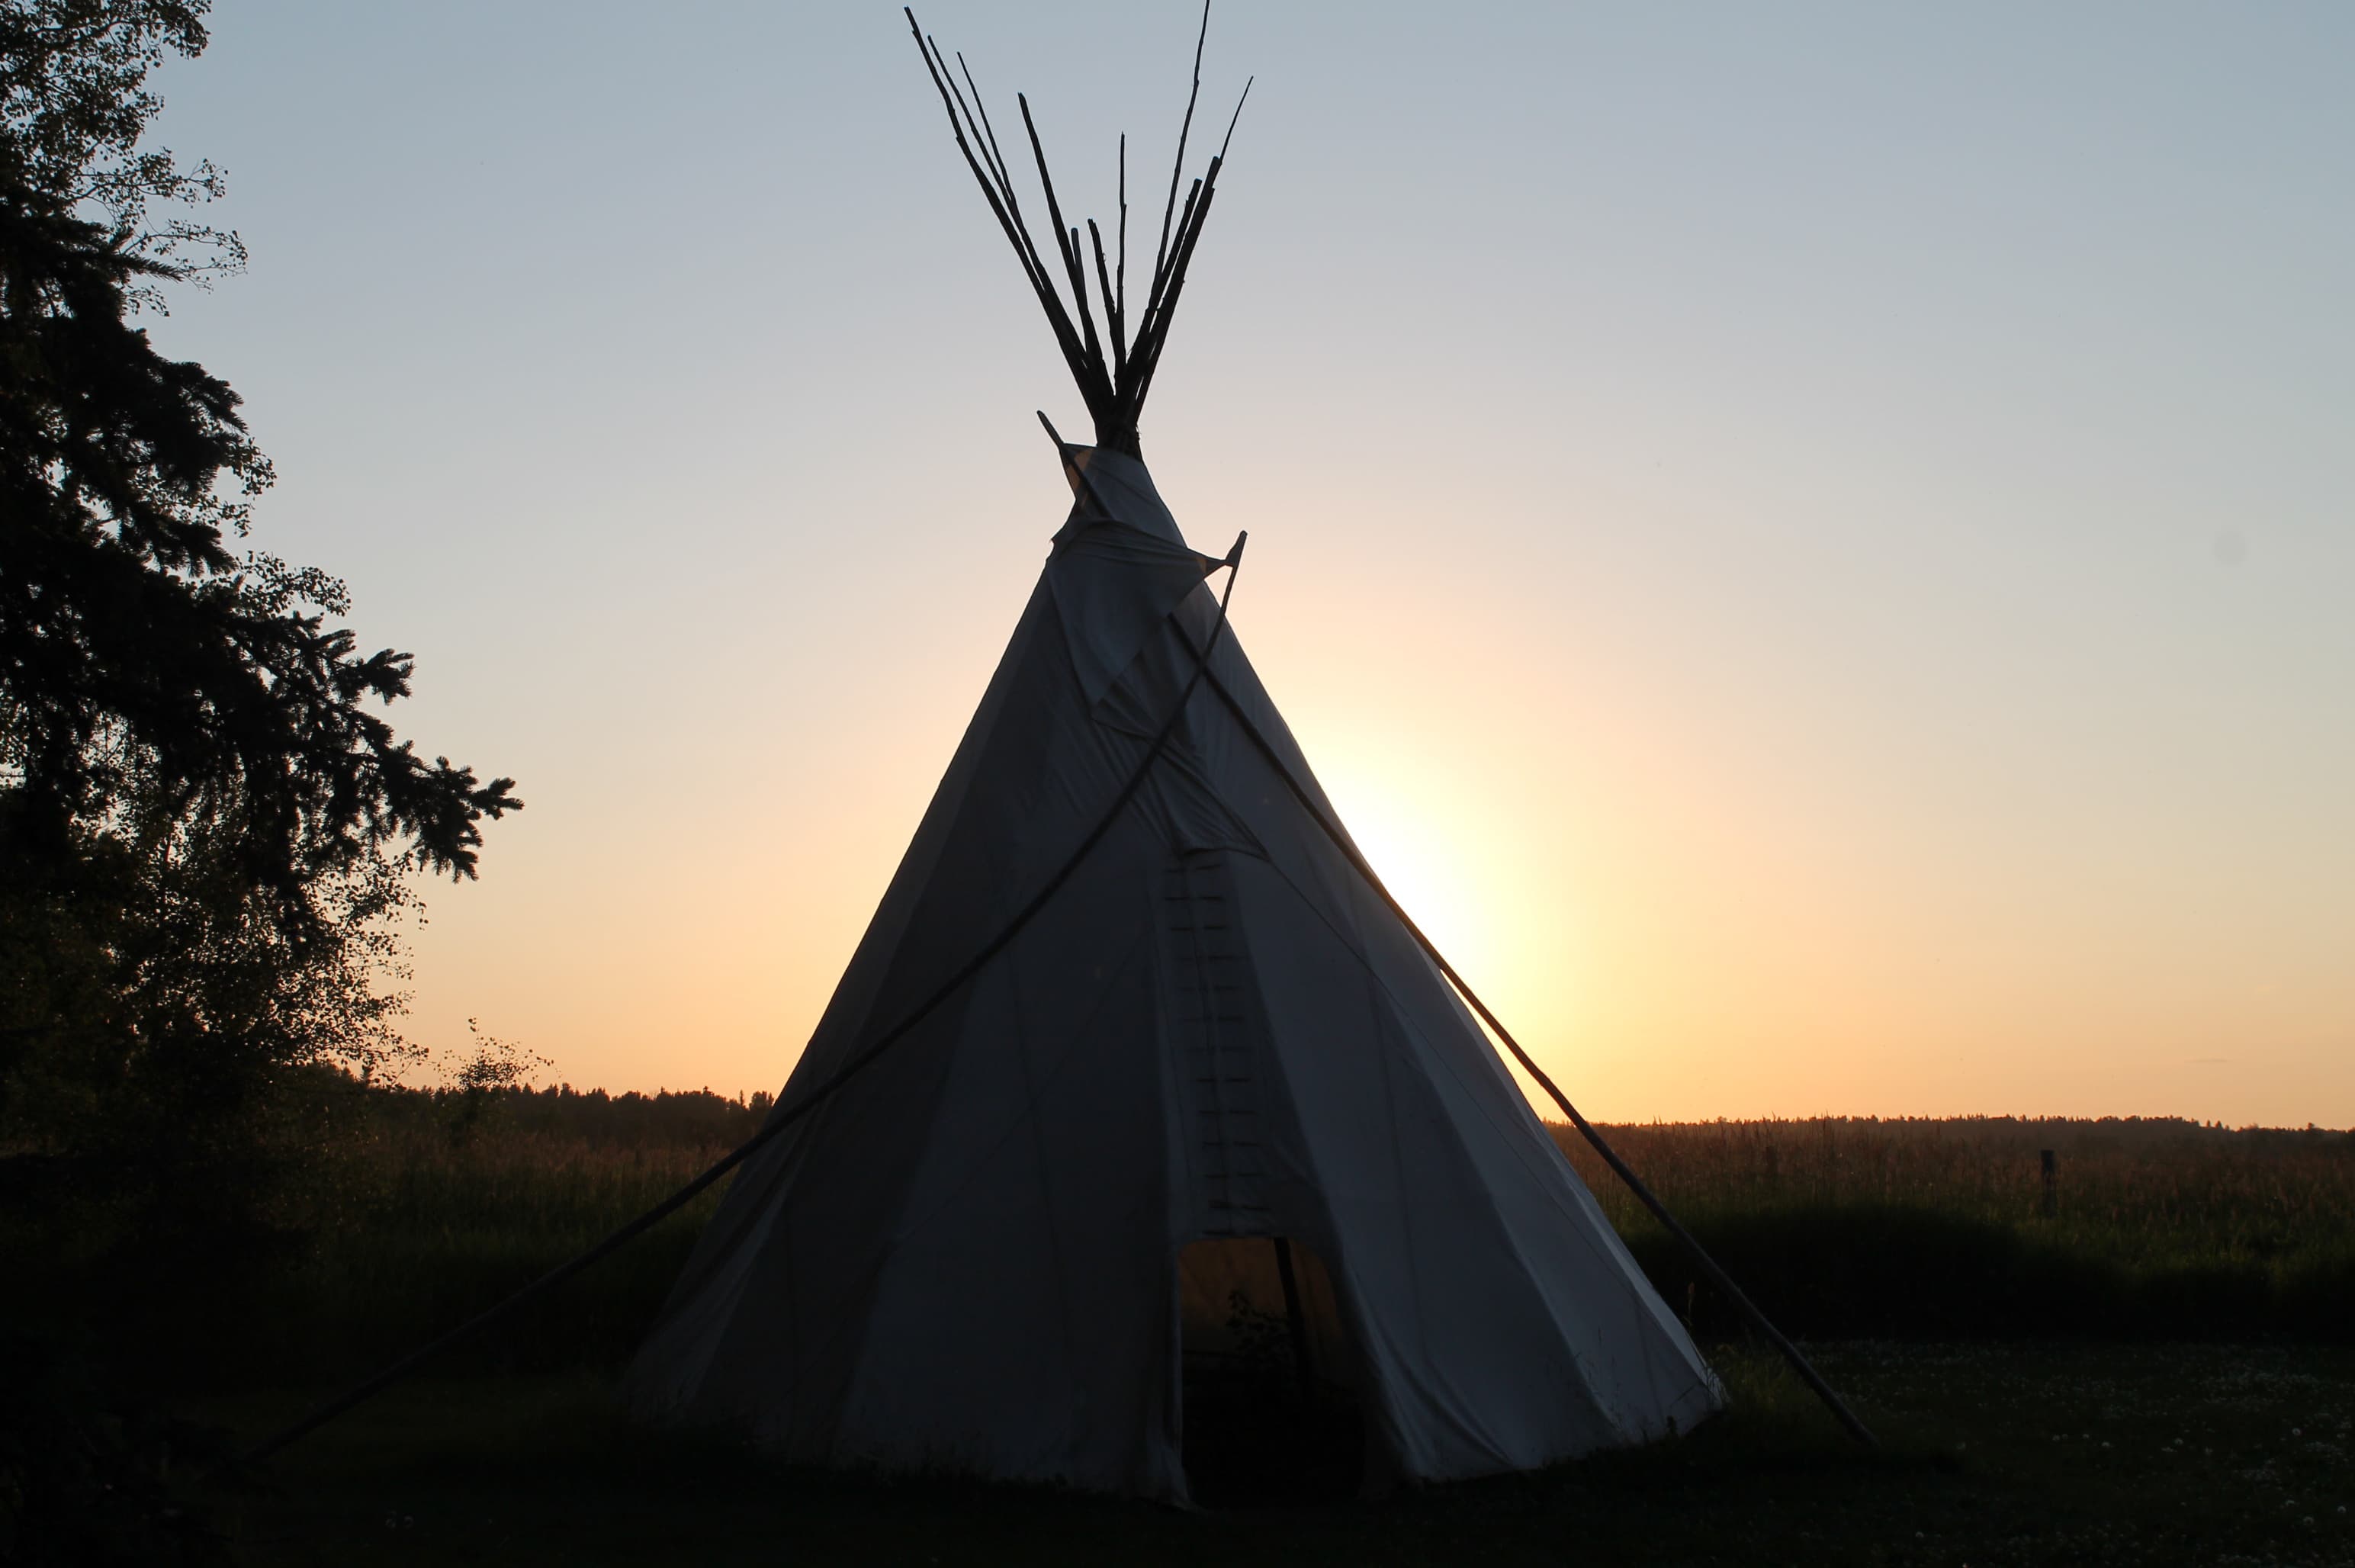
(2139,1192)
(423,1208)
(1863,1225)
(429,1206)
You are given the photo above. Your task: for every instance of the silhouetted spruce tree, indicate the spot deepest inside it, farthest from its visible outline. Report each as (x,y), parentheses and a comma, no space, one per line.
(205,822)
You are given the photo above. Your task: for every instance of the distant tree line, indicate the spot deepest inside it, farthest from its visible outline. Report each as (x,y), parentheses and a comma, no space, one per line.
(592,1118)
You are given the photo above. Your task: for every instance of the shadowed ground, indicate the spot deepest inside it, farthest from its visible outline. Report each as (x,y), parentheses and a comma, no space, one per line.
(1996,1455)
(1996,1345)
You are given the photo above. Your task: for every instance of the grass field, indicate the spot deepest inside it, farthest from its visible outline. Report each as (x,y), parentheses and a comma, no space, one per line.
(1839,1228)
(2019,1454)
(2160,1369)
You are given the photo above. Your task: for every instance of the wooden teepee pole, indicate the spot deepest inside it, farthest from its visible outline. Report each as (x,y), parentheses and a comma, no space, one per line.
(1113,370)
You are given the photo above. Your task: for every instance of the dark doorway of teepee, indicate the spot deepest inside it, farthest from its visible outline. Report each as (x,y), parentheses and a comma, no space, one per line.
(1270,1410)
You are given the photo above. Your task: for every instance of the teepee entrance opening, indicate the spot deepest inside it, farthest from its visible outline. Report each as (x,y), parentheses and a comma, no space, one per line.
(1269,1405)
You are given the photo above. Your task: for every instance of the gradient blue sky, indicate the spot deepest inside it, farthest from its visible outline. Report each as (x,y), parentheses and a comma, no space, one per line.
(1816,542)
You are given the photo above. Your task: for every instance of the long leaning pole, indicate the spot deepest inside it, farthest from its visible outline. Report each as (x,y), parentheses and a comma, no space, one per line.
(1693,1249)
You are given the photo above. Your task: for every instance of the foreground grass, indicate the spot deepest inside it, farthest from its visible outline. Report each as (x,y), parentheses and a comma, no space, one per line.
(1994,1456)
(2033,1372)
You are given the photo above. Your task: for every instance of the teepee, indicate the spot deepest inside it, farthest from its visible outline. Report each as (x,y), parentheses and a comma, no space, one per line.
(1134,1069)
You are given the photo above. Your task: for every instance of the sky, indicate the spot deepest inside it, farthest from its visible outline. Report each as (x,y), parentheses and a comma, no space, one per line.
(1814,545)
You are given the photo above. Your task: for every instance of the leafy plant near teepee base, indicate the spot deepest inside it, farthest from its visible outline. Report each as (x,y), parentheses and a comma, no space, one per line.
(485,1079)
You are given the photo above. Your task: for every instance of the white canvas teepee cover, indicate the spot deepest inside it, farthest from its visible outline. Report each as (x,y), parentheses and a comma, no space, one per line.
(968,1258)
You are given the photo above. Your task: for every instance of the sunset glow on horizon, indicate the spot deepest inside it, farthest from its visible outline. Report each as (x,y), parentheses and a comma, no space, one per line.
(1814,557)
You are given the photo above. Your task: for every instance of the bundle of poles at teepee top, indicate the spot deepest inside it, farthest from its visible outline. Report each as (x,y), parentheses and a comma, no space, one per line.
(1113,388)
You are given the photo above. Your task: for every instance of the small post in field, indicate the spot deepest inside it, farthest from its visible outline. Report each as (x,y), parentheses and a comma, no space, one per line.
(2050,1162)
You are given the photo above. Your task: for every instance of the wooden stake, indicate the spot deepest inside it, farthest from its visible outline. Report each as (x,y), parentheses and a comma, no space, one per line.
(1296,1319)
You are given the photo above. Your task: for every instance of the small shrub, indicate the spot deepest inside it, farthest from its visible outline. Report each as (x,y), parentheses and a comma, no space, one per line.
(91,1476)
